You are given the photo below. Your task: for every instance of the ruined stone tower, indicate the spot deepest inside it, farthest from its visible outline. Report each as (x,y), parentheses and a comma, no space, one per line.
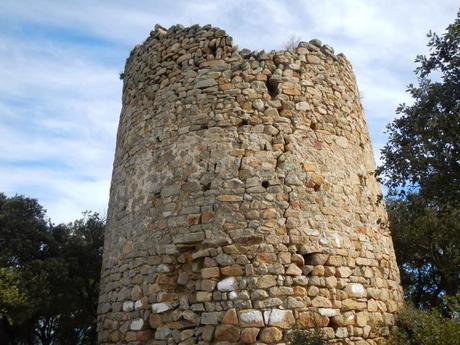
(243,202)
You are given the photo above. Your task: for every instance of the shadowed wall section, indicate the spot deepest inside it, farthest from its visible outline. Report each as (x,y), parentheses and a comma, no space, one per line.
(243,200)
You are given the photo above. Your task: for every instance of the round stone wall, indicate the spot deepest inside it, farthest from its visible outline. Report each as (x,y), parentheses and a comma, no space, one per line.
(243,201)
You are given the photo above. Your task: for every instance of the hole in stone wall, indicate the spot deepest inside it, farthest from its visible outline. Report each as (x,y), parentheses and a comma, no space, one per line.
(156,200)
(308,264)
(313,126)
(273,87)
(158,139)
(206,186)
(308,258)
(362,180)
(312,260)
(265,184)
(213,50)
(204,126)
(244,122)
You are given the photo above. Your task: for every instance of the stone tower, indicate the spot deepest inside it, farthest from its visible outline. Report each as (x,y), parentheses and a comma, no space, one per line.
(243,202)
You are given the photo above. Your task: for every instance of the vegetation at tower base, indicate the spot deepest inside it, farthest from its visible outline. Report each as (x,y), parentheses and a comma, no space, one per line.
(424,327)
(49,275)
(421,166)
(243,199)
(307,337)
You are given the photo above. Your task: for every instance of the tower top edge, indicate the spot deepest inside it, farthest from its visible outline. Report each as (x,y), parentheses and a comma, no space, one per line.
(160,33)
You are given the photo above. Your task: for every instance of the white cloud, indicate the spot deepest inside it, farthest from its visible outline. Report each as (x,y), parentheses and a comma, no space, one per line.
(59,109)
(65,196)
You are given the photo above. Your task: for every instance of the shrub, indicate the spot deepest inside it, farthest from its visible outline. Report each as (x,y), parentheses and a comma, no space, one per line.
(420,327)
(291,43)
(307,337)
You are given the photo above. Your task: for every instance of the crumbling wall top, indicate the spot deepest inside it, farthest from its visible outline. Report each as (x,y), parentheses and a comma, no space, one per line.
(221,45)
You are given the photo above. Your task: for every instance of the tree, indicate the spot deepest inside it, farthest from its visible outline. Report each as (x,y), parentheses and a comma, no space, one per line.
(10,294)
(83,253)
(427,247)
(423,150)
(49,275)
(421,168)
(23,234)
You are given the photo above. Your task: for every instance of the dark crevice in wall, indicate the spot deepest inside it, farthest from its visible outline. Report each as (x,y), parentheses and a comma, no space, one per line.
(213,50)
(308,258)
(206,186)
(273,87)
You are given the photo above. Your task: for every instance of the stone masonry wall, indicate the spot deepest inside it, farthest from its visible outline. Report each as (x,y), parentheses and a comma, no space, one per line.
(243,202)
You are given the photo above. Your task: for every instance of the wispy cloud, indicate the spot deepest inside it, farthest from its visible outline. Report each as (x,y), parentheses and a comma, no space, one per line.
(60,96)
(59,108)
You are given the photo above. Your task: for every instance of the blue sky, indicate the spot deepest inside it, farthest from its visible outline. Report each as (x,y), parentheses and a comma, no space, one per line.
(60,94)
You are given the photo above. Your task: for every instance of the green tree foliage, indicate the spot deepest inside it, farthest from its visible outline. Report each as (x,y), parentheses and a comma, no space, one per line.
(427,245)
(49,275)
(421,168)
(10,294)
(424,327)
(423,151)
